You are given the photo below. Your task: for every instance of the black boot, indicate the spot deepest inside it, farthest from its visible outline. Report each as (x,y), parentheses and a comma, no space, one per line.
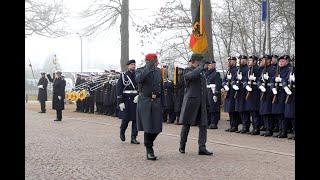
(255,132)
(182,148)
(150,154)
(204,151)
(282,135)
(268,133)
(227,130)
(134,141)
(233,129)
(57,120)
(122,136)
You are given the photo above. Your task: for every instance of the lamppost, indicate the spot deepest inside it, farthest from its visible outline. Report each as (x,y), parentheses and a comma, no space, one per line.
(81,49)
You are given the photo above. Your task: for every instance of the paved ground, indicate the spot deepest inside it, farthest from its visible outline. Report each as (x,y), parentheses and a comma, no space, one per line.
(87,146)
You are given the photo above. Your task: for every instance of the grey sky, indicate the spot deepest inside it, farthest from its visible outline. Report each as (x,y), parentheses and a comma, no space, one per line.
(104,49)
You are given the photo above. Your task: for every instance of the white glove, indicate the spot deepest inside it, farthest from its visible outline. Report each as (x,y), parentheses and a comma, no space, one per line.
(274,91)
(40,86)
(59,97)
(226,87)
(292,78)
(248,88)
(239,76)
(278,79)
(235,87)
(122,106)
(287,90)
(263,89)
(135,99)
(229,76)
(265,76)
(252,78)
(215,99)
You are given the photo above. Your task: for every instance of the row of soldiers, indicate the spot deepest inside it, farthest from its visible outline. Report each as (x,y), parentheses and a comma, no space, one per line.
(259,92)
(263,92)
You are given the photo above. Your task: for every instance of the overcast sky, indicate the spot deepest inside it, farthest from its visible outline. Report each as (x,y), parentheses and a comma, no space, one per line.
(104,49)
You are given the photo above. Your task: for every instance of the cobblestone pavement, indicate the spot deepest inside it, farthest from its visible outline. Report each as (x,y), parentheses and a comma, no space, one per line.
(87,146)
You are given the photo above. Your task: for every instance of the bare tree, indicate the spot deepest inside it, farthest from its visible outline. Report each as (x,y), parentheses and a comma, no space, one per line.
(104,15)
(44,19)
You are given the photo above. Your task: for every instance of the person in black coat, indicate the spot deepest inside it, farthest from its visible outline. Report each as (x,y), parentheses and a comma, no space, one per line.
(264,84)
(127,98)
(58,94)
(167,99)
(42,93)
(149,106)
(178,95)
(279,95)
(214,85)
(229,85)
(78,81)
(288,85)
(194,106)
(252,94)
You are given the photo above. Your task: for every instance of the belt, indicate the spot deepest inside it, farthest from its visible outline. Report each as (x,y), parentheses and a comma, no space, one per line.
(130,92)
(149,96)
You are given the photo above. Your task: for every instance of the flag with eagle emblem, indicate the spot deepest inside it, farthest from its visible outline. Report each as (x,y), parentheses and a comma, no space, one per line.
(198,39)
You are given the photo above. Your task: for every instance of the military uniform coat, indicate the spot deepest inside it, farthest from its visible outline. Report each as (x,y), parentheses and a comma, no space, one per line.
(58,90)
(178,94)
(213,77)
(266,102)
(42,92)
(149,111)
(289,110)
(241,95)
(129,113)
(195,97)
(253,101)
(279,106)
(229,103)
(167,98)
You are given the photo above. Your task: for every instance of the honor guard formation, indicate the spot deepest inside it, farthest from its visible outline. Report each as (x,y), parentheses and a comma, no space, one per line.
(258,93)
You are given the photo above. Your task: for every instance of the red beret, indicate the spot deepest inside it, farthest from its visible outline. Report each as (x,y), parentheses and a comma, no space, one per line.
(151,56)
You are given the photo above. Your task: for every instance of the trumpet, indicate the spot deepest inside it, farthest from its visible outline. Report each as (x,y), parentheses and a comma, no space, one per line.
(97,79)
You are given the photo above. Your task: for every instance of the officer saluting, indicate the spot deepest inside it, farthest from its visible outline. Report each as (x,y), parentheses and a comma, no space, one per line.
(58,94)
(127,97)
(42,93)
(149,110)
(194,105)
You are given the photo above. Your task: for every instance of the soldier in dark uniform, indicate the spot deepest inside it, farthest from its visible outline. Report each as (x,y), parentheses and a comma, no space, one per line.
(288,85)
(167,101)
(214,85)
(252,94)
(127,98)
(194,106)
(113,97)
(58,94)
(98,95)
(42,93)
(90,98)
(241,95)
(264,84)
(106,100)
(275,121)
(279,95)
(78,81)
(82,103)
(178,95)
(149,108)
(229,102)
